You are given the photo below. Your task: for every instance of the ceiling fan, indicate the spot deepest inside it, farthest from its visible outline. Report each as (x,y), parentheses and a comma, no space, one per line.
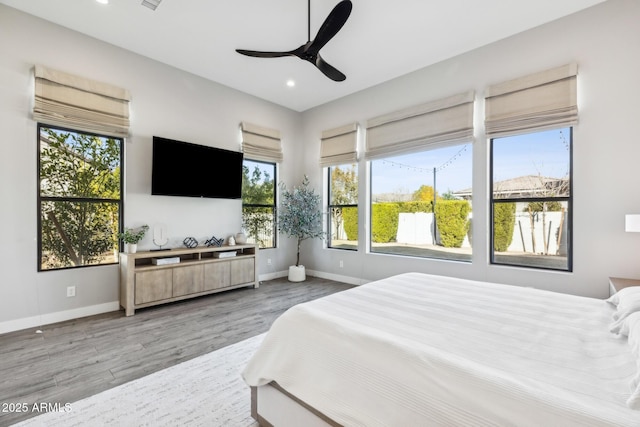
(310,51)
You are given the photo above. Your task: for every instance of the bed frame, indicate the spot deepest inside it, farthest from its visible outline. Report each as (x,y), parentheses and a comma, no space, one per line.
(271,405)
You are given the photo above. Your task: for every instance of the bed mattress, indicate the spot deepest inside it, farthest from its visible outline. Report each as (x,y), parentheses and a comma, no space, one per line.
(418,349)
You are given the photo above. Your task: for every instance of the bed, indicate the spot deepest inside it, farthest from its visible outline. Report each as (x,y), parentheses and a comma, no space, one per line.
(418,349)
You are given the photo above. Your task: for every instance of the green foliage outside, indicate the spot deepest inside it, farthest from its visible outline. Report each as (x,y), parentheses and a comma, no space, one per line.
(452,221)
(350,218)
(384,218)
(258,195)
(504,219)
(257,187)
(384,222)
(424,194)
(413,207)
(450,214)
(75,167)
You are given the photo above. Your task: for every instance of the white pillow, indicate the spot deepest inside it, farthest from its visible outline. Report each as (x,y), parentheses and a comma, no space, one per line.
(628,302)
(622,293)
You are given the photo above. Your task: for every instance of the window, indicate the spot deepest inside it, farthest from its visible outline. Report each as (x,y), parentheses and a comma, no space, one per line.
(531,200)
(259,202)
(343,207)
(404,191)
(79,198)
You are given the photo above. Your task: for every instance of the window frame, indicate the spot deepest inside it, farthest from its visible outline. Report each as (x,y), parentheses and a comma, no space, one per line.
(331,206)
(43,199)
(274,206)
(567,199)
(410,251)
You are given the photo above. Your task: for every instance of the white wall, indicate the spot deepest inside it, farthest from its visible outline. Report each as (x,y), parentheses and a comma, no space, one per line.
(604,41)
(165,102)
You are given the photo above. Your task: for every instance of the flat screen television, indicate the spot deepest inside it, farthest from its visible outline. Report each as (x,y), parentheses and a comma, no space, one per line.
(191,170)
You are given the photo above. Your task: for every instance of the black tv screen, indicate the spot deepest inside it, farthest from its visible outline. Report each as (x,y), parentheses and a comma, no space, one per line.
(191,170)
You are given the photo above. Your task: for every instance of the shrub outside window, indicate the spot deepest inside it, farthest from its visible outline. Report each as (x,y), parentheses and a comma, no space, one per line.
(531,200)
(79,198)
(405,190)
(259,203)
(343,207)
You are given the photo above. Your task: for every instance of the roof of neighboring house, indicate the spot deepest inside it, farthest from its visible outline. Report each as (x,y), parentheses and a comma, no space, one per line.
(524,186)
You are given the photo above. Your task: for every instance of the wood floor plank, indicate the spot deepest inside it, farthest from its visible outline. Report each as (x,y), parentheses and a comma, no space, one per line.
(72,360)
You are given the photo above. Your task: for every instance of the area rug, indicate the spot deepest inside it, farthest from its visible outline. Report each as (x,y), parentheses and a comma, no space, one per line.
(205,391)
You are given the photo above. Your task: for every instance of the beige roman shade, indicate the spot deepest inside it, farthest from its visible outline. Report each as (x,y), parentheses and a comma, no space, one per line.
(539,101)
(260,143)
(442,122)
(77,103)
(339,145)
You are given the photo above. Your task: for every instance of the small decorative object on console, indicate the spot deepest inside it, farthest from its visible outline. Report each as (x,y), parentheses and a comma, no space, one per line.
(226,254)
(214,242)
(190,242)
(166,260)
(232,241)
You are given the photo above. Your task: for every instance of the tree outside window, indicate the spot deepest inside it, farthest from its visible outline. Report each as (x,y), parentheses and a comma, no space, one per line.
(259,202)
(80,198)
(343,207)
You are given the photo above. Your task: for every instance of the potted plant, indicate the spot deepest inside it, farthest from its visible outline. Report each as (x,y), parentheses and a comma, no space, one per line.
(131,237)
(300,217)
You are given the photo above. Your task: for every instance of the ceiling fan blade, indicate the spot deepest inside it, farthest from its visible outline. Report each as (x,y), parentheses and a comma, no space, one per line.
(330,27)
(259,54)
(329,70)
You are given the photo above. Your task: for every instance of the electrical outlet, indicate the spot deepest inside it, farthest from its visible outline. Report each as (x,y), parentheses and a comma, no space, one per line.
(71,291)
(341,264)
(268,261)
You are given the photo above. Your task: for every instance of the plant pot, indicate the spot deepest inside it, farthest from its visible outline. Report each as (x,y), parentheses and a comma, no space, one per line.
(297,273)
(131,248)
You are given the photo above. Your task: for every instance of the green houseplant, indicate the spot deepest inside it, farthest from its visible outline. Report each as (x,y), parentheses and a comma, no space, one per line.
(131,237)
(300,217)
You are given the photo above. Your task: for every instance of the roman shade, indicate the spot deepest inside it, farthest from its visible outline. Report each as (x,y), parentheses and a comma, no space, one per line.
(535,102)
(339,145)
(260,143)
(74,102)
(446,121)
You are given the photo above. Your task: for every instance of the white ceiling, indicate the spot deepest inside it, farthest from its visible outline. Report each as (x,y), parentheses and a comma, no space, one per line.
(381,40)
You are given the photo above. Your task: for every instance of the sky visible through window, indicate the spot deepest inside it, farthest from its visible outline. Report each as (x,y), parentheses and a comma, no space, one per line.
(406,173)
(542,153)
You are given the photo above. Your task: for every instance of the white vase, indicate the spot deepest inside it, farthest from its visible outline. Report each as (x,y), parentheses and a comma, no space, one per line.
(297,273)
(131,248)
(241,238)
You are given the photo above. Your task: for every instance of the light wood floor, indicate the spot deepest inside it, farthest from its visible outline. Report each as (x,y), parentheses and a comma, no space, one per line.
(72,360)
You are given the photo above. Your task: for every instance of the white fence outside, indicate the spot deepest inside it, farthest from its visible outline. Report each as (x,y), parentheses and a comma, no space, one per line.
(416,229)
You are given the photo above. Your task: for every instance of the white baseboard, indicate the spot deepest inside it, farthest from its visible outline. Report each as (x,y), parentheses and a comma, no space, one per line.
(337,277)
(60,316)
(315,273)
(274,275)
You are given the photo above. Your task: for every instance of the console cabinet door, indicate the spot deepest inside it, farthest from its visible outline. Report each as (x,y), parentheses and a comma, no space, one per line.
(217,275)
(187,280)
(242,271)
(154,285)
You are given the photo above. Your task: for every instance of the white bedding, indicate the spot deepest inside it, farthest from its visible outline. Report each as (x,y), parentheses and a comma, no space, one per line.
(416,350)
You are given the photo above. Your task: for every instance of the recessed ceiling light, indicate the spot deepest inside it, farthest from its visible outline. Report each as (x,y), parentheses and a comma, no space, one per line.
(291,83)
(103,1)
